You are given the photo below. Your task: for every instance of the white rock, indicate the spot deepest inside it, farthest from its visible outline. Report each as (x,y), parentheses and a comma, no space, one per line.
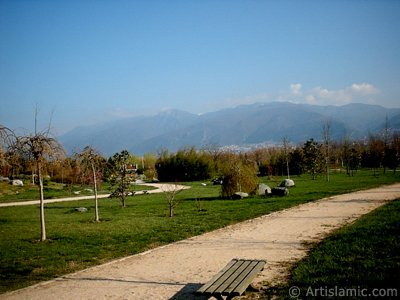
(287,183)
(17,182)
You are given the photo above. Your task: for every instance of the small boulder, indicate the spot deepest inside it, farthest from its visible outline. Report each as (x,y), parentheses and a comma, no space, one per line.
(17,182)
(240,195)
(263,189)
(81,209)
(217,181)
(5,179)
(280,191)
(287,183)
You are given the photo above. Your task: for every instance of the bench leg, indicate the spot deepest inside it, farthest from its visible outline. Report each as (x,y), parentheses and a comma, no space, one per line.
(220,297)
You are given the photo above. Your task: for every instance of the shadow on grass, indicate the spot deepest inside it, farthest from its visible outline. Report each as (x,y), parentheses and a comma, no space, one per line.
(209,199)
(204,199)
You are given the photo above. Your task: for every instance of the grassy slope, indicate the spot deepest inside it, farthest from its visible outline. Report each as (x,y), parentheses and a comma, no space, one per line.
(75,241)
(363,255)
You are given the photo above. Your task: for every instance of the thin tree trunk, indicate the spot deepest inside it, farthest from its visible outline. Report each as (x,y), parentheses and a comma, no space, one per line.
(123,185)
(287,168)
(286,152)
(42,221)
(327,168)
(96,201)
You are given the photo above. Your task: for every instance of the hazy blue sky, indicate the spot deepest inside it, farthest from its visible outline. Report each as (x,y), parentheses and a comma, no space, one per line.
(96,60)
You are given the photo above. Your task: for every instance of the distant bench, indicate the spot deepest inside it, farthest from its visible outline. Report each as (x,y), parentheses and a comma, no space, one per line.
(232,280)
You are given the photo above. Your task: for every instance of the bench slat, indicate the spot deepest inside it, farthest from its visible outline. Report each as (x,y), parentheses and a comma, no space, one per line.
(205,287)
(243,282)
(215,288)
(239,272)
(233,279)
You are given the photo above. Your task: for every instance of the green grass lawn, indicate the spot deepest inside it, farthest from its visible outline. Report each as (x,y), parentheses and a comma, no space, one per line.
(355,259)
(9,193)
(76,242)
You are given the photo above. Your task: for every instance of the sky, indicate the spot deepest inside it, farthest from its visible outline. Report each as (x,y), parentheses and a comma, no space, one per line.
(80,62)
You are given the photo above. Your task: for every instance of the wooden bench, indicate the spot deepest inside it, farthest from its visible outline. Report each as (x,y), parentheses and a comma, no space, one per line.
(232,280)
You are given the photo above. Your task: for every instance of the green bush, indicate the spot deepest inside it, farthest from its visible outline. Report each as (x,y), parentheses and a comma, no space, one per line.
(185,165)
(238,177)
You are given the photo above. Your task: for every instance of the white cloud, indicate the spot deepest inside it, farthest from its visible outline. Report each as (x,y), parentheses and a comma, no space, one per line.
(364,88)
(357,92)
(296,88)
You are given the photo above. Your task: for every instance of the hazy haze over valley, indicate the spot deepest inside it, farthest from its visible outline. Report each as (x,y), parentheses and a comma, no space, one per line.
(242,125)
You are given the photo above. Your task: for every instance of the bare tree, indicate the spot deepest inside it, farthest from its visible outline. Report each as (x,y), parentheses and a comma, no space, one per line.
(215,153)
(41,147)
(386,140)
(386,132)
(7,141)
(170,191)
(7,136)
(286,146)
(91,160)
(376,152)
(326,135)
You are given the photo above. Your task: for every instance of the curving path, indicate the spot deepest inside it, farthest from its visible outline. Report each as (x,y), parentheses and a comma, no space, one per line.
(176,270)
(160,187)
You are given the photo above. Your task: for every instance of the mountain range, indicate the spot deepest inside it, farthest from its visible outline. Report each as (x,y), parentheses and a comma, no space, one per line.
(242,125)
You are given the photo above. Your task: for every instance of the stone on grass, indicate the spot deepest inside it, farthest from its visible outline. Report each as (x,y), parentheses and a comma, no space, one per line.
(240,195)
(263,189)
(81,209)
(217,181)
(17,182)
(5,179)
(287,183)
(280,191)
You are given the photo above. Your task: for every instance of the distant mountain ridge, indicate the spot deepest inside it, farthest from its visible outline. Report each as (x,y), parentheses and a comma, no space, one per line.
(246,124)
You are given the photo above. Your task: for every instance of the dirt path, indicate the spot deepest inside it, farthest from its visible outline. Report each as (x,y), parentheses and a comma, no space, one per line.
(160,187)
(176,270)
